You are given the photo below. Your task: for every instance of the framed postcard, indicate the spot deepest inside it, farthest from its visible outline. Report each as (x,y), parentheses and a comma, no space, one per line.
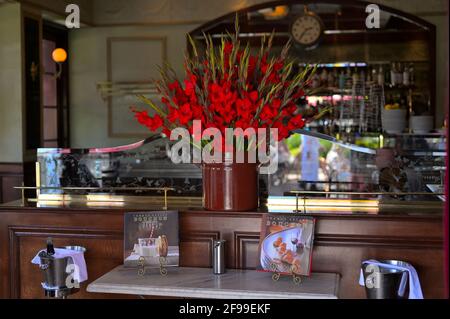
(286,244)
(150,236)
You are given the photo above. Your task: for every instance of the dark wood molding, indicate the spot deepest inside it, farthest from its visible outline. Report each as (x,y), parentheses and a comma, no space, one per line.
(194,239)
(244,11)
(15,169)
(241,241)
(377,241)
(340,244)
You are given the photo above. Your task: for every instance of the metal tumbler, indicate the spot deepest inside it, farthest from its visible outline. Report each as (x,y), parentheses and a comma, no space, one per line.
(219,257)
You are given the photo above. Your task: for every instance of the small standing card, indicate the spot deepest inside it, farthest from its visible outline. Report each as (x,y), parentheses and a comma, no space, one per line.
(150,236)
(286,244)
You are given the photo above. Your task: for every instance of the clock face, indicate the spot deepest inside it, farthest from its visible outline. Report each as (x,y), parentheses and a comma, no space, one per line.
(307,29)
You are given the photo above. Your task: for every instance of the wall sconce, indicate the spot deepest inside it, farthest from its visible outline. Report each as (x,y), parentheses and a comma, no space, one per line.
(59,55)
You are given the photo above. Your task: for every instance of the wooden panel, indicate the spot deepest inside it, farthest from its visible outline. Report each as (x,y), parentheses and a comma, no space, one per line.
(246,249)
(196,248)
(104,252)
(8,193)
(345,260)
(341,243)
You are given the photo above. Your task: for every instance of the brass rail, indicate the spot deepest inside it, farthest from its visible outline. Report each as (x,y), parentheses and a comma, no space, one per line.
(105,189)
(365,193)
(96,188)
(298,194)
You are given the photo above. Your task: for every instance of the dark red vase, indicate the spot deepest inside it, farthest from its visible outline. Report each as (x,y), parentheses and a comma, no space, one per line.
(230,186)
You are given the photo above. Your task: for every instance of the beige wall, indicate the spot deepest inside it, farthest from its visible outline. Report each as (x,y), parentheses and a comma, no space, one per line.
(88,65)
(173,18)
(10,84)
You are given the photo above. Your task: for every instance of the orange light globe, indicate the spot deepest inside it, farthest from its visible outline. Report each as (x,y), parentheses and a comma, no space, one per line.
(59,55)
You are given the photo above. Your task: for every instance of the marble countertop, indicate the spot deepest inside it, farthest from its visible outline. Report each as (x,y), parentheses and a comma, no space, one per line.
(189,282)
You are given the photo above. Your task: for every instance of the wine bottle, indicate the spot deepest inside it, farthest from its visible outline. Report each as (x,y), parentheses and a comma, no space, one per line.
(50,247)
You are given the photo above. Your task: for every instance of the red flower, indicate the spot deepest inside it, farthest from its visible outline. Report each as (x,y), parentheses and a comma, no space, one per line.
(300,93)
(184,114)
(166,132)
(296,122)
(174,86)
(142,117)
(165,100)
(253,96)
(267,113)
(276,103)
(278,65)
(220,97)
(283,131)
(155,123)
(228,48)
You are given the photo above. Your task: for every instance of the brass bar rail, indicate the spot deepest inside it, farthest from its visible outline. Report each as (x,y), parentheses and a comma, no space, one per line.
(303,195)
(96,188)
(363,193)
(109,189)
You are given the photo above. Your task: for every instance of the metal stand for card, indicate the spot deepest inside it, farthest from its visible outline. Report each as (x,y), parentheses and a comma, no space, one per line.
(162,266)
(297,209)
(296,279)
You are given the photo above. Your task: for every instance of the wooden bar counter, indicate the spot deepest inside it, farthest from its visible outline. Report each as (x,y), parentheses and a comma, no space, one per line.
(342,241)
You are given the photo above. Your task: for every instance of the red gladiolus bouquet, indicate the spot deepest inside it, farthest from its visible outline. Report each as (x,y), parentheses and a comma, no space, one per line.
(227,86)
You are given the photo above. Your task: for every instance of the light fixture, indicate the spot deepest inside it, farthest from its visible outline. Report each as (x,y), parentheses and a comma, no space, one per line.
(59,55)
(274,13)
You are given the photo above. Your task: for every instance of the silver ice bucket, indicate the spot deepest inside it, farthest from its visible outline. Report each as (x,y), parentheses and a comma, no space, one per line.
(54,269)
(386,283)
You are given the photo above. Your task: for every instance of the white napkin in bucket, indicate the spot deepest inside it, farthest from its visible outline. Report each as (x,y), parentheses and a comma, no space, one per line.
(415,290)
(80,273)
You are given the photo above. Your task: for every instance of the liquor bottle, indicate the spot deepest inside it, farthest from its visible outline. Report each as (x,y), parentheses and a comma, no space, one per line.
(399,74)
(348,78)
(387,76)
(411,74)
(374,74)
(315,81)
(362,75)
(336,78)
(324,77)
(355,76)
(381,76)
(330,79)
(393,74)
(50,248)
(342,78)
(406,81)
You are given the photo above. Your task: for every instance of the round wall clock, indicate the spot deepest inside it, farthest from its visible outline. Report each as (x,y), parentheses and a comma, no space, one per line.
(307,29)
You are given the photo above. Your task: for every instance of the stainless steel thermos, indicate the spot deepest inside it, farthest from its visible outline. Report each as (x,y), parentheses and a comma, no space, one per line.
(219,257)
